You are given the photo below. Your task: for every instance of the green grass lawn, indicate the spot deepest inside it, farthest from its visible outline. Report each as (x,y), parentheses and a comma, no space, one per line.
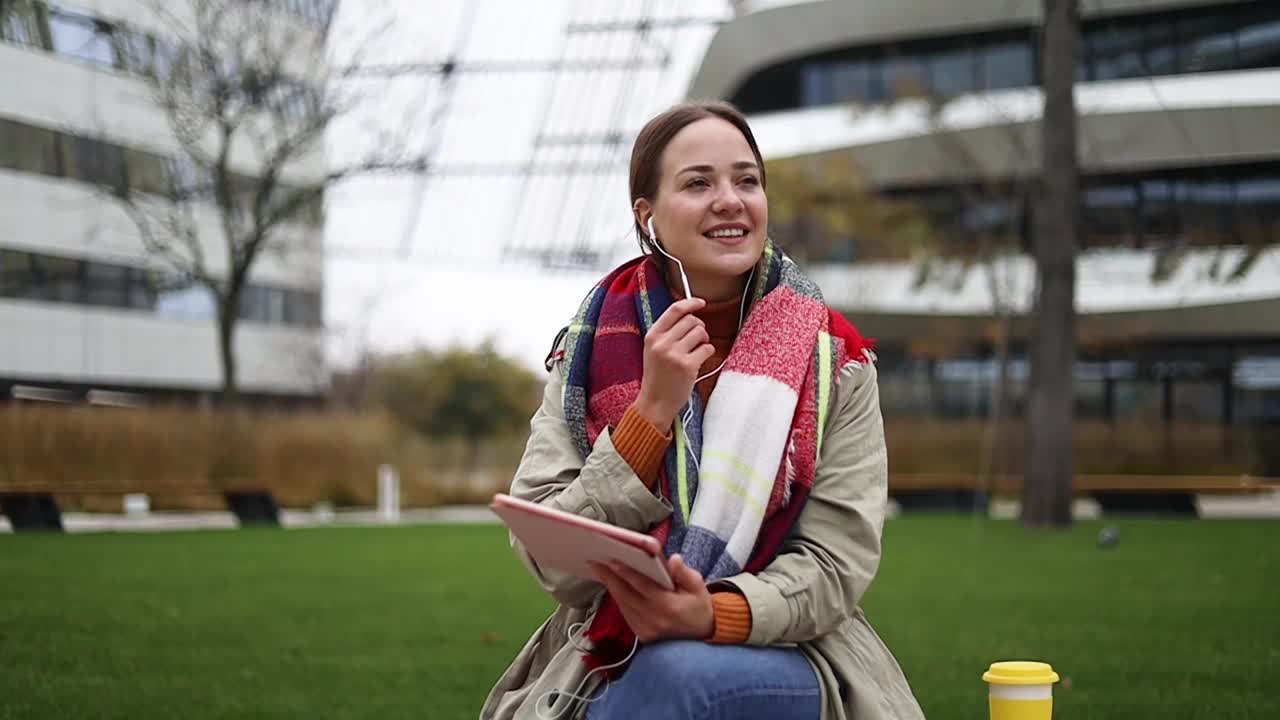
(1179,621)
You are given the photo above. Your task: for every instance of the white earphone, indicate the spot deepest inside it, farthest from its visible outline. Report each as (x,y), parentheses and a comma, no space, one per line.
(551,696)
(684,278)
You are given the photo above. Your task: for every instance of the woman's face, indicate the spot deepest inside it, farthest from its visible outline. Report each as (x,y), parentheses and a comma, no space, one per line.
(710,210)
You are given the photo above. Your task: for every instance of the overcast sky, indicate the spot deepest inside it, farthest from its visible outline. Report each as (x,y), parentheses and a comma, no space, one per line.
(415,263)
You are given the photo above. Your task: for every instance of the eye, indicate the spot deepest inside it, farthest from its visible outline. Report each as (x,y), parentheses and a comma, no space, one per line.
(749,180)
(698,183)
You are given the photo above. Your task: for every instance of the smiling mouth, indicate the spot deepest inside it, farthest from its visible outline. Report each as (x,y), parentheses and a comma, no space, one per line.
(728,234)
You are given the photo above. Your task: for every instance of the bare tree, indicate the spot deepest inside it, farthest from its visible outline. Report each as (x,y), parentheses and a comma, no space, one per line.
(248,95)
(990,235)
(1048,478)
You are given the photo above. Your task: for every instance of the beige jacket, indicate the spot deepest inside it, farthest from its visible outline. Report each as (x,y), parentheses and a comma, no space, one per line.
(807,596)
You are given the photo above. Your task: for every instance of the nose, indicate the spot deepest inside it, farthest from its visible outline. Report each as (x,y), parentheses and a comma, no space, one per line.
(726,200)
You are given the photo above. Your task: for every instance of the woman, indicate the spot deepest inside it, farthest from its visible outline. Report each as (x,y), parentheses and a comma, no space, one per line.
(705,394)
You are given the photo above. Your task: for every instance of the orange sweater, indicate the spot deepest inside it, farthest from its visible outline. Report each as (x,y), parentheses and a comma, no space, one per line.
(643,446)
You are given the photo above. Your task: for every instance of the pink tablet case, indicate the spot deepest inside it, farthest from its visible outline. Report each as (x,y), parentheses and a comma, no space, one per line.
(567,542)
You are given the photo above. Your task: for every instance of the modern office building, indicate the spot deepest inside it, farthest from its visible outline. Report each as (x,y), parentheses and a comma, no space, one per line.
(912,131)
(85,313)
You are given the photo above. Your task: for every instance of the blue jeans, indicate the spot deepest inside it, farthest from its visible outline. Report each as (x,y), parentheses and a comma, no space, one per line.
(693,680)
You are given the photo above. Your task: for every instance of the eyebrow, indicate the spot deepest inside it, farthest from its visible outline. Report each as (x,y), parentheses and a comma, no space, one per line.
(740,165)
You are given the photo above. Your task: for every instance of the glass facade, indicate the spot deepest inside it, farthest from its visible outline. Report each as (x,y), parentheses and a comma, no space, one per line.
(57,279)
(1235,382)
(82,37)
(109,45)
(316,12)
(32,149)
(1210,206)
(23,22)
(1237,36)
(68,32)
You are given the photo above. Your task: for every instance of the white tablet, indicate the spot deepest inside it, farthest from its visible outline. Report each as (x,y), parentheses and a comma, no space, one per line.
(567,542)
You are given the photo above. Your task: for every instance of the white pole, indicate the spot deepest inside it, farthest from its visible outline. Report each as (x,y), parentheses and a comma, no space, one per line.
(388,493)
(137,504)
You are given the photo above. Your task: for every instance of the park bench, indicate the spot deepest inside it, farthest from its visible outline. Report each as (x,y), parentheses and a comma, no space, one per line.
(1172,494)
(33,504)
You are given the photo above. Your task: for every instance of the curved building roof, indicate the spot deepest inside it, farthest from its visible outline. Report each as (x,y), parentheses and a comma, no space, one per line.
(1175,120)
(767,32)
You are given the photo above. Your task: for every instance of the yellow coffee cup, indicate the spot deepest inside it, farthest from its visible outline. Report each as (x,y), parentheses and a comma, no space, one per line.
(1020,690)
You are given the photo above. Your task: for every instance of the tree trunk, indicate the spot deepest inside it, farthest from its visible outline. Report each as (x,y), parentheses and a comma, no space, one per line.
(1049,467)
(226,348)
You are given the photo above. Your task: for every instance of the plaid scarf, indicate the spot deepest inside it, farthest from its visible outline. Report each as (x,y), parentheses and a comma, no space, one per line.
(740,470)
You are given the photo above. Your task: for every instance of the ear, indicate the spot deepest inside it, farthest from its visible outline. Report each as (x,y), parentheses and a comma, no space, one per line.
(642,211)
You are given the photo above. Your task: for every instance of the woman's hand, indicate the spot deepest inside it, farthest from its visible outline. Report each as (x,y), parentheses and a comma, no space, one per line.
(674,350)
(655,613)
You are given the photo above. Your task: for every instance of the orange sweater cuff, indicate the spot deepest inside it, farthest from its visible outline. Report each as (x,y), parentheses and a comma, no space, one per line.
(641,444)
(732,617)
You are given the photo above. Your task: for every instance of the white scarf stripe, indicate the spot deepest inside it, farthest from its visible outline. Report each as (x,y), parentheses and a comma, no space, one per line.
(746,432)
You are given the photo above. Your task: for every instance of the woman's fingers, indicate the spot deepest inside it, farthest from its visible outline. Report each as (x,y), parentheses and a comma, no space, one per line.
(639,582)
(684,577)
(692,340)
(619,587)
(689,325)
(634,607)
(676,312)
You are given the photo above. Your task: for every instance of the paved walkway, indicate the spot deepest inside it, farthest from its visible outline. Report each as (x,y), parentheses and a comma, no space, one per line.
(161,521)
(1265,505)
(1211,506)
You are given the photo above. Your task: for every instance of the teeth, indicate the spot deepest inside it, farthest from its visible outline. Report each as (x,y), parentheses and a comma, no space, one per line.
(738,232)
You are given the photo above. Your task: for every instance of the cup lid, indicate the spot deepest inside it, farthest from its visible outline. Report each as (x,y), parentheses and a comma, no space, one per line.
(1020,672)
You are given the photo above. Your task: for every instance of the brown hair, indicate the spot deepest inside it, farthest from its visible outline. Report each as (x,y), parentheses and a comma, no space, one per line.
(646,153)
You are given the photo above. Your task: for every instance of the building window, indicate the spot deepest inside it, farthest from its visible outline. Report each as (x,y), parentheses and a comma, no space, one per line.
(1229,36)
(1109,215)
(1158,214)
(106,285)
(83,38)
(1208,44)
(1113,52)
(48,278)
(21,22)
(1258,201)
(1258,43)
(1200,207)
(139,53)
(185,300)
(254,304)
(952,73)
(28,149)
(854,80)
(1160,49)
(815,86)
(302,308)
(262,305)
(147,172)
(17,274)
(188,180)
(315,12)
(1006,65)
(143,288)
(57,279)
(94,162)
(903,76)
(1208,212)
